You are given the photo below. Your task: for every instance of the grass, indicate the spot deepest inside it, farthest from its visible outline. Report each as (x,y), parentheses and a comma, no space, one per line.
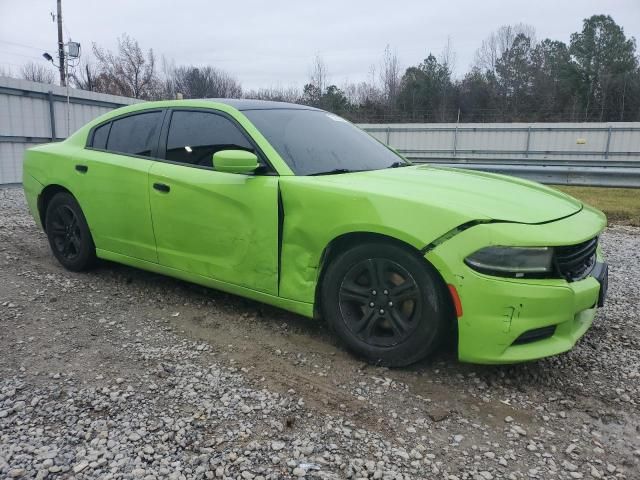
(621,205)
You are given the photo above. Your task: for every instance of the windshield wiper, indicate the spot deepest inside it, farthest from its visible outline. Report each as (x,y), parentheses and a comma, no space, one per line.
(399,165)
(335,171)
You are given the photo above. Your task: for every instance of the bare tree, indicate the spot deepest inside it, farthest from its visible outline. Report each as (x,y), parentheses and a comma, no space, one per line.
(203,82)
(448,62)
(166,83)
(448,56)
(130,72)
(5,72)
(390,75)
(365,93)
(277,94)
(36,72)
(85,77)
(318,75)
(496,44)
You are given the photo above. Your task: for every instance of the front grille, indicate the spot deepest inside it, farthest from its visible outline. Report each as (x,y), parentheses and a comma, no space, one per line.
(575,262)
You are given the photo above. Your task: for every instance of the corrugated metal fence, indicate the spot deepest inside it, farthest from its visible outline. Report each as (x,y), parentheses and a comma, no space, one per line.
(562,153)
(32,113)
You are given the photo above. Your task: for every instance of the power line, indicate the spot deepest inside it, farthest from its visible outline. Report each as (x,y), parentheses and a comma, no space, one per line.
(20,54)
(40,49)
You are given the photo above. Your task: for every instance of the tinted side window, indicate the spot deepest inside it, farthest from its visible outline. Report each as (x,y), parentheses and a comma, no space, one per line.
(195,136)
(136,134)
(100,136)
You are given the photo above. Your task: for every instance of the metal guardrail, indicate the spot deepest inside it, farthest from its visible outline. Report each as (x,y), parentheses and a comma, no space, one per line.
(551,160)
(564,172)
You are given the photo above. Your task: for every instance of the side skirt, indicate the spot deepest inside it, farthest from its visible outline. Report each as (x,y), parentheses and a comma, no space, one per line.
(301,308)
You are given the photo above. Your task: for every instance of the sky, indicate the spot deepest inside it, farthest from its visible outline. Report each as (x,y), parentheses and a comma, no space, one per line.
(273,44)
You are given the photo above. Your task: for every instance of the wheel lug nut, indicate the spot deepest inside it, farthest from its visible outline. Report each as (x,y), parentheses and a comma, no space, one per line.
(381,311)
(386,292)
(373,292)
(391,304)
(372,304)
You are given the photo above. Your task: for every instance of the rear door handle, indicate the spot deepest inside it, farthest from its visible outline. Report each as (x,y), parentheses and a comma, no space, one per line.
(162,187)
(82,168)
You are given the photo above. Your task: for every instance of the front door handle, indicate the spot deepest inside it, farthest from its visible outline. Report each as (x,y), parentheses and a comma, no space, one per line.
(82,168)
(162,187)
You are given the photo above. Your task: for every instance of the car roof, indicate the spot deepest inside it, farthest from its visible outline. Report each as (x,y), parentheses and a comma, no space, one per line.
(248,104)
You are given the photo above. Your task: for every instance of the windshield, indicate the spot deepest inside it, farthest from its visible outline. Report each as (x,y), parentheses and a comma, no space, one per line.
(314,142)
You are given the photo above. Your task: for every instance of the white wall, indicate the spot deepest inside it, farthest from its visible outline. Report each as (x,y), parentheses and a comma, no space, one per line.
(25,118)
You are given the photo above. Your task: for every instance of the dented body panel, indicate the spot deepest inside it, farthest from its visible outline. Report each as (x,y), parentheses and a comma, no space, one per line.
(499,310)
(266,236)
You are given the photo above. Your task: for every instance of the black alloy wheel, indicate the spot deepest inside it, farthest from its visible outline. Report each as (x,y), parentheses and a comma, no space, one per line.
(65,232)
(68,233)
(386,302)
(380,302)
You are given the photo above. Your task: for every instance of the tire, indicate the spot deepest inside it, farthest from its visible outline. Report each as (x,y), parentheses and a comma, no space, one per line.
(410,311)
(69,235)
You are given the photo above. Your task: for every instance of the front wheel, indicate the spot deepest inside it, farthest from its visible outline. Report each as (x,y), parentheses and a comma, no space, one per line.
(386,303)
(69,236)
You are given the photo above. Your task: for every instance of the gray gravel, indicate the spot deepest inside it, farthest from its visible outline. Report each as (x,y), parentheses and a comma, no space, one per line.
(120,373)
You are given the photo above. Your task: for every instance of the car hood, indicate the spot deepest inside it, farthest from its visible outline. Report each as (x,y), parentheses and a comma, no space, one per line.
(478,195)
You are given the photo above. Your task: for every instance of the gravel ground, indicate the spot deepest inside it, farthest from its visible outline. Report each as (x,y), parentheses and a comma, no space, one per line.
(120,373)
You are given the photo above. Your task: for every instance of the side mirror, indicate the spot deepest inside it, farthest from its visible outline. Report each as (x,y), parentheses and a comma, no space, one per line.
(235,161)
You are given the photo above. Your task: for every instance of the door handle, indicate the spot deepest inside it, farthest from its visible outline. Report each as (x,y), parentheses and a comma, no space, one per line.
(162,187)
(82,168)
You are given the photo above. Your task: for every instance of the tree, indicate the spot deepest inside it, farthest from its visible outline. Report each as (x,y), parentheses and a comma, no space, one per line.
(390,76)
(423,90)
(202,82)
(553,79)
(478,96)
(514,76)
(129,72)
(498,42)
(448,61)
(311,95)
(334,100)
(318,75)
(86,77)
(605,60)
(37,72)
(277,94)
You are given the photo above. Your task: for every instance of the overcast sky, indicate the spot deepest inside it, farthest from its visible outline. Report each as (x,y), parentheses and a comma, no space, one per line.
(273,43)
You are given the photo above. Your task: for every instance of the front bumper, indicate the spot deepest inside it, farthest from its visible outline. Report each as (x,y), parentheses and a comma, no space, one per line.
(498,311)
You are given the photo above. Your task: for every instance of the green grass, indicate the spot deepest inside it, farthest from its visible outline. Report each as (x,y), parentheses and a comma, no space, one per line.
(621,205)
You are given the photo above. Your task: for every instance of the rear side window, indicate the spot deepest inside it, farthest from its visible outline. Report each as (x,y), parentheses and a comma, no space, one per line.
(100,136)
(135,135)
(195,136)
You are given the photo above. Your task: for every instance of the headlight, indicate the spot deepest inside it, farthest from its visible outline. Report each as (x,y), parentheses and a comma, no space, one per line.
(512,261)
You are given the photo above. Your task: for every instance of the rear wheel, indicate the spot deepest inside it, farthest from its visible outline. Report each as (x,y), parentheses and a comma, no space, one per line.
(68,233)
(386,303)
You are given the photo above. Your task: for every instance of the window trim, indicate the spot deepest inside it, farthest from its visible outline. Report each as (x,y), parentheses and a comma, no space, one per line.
(160,149)
(164,137)
(154,151)
(93,135)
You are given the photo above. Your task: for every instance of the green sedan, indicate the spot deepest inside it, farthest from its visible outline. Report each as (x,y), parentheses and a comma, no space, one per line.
(298,208)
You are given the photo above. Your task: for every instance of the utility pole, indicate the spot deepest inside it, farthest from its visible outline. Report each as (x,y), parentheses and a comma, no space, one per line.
(63,79)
